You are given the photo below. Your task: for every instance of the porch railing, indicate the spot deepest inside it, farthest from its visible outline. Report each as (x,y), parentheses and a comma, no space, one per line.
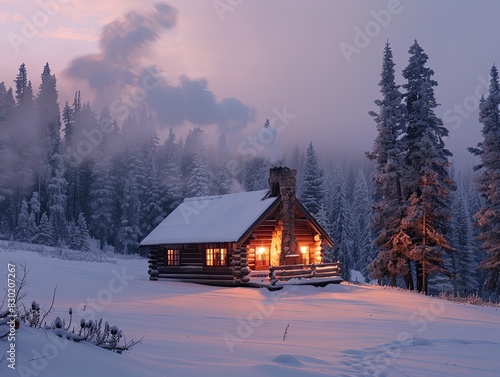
(304,271)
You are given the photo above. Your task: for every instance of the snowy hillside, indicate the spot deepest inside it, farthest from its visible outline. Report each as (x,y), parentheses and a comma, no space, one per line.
(194,330)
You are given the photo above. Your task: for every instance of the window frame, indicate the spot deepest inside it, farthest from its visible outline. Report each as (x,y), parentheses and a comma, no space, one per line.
(173,257)
(216,257)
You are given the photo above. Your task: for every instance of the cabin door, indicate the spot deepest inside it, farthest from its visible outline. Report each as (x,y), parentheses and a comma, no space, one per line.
(262,258)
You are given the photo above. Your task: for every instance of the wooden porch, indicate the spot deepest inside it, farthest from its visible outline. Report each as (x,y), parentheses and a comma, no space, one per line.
(318,275)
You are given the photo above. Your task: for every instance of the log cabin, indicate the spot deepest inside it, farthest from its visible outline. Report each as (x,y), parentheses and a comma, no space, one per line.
(232,239)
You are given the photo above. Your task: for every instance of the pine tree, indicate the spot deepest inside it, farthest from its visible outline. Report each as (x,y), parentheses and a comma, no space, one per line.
(388,205)
(83,233)
(151,202)
(5,232)
(169,175)
(35,205)
(48,126)
(32,227)
(57,200)
(6,153)
(474,202)
(103,188)
(488,217)
(26,148)
(129,232)
(199,180)
(341,223)
(256,174)
(73,239)
(427,182)
(79,169)
(313,187)
(362,240)
(193,147)
(462,261)
(222,175)
(45,234)
(22,229)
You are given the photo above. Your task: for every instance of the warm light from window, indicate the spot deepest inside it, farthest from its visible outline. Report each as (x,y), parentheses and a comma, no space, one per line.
(216,257)
(261,250)
(303,249)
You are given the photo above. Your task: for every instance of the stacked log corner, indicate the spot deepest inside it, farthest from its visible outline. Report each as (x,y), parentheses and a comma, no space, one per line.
(239,265)
(153,265)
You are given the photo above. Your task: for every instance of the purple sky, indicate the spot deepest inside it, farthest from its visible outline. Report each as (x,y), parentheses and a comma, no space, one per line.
(249,59)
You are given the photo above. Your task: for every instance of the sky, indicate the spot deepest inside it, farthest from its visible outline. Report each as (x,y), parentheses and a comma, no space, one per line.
(311,67)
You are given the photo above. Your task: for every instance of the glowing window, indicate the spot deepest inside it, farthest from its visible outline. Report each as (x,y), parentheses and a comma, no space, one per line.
(173,257)
(261,257)
(304,250)
(216,257)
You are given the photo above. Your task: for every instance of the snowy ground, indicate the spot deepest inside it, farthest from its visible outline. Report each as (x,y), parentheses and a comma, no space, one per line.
(194,330)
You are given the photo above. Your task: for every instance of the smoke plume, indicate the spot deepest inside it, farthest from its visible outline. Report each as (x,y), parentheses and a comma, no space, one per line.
(120,68)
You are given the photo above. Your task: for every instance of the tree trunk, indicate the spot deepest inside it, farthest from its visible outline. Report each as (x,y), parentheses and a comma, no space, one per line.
(419,276)
(409,276)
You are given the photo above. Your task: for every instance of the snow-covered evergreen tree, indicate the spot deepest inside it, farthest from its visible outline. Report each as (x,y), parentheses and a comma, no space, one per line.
(312,193)
(73,238)
(361,214)
(57,199)
(341,225)
(463,264)
(388,205)
(199,179)
(35,205)
(488,217)
(22,228)
(129,232)
(32,227)
(169,174)
(256,173)
(26,148)
(151,202)
(79,169)
(222,175)
(474,202)
(5,232)
(45,234)
(48,127)
(83,233)
(103,189)
(427,182)
(192,147)
(6,153)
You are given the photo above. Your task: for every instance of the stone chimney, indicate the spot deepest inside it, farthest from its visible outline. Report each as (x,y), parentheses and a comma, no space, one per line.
(282,182)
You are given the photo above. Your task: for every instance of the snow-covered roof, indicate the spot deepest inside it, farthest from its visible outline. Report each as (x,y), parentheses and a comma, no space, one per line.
(223,218)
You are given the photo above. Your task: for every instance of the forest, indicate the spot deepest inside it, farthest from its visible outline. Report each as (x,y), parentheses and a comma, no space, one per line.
(402,214)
